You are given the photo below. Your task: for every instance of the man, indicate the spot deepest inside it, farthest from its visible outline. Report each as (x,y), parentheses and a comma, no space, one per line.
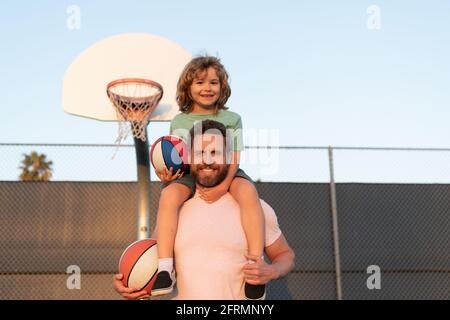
(210,245)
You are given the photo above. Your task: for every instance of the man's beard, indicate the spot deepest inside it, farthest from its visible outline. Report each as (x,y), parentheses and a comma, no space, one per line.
(210,181)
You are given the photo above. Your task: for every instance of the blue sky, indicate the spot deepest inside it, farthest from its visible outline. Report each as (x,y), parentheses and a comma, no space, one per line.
(312,70)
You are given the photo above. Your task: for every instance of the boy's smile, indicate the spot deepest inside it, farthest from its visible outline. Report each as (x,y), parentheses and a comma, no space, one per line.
(205,90)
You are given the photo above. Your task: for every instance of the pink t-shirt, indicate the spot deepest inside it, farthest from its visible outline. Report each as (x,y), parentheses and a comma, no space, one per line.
(209,248)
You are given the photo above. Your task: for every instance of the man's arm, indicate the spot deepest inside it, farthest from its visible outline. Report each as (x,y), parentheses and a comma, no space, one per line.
(282,258)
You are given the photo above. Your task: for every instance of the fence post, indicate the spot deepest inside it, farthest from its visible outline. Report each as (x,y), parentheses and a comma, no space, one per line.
(334,215)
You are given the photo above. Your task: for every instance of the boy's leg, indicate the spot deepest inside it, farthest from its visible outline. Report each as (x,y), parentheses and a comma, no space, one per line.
(171,199)
(253,223)
(252,216)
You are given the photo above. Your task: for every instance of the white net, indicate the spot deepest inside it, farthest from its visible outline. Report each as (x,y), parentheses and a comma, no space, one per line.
(134,101)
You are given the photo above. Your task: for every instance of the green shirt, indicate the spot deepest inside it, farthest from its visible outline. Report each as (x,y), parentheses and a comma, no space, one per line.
(183,122)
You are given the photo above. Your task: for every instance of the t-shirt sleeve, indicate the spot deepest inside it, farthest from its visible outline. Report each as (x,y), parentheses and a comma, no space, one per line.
(178,127)
(273,231)
(171,126)
(238,140)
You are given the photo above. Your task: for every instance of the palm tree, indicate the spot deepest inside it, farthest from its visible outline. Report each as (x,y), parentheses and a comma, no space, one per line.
(35,167)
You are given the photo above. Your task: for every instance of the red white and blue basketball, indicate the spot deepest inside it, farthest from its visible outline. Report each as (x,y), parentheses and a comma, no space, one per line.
(170,151)
(139,265)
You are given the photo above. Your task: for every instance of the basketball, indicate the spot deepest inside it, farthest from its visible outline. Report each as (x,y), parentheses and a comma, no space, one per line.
(169,151)
(139,265)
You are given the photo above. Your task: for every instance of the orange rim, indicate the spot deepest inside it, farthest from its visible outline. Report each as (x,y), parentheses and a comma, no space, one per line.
(134,80)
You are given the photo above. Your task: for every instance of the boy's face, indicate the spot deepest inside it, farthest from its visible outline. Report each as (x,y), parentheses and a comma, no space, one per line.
(205,89)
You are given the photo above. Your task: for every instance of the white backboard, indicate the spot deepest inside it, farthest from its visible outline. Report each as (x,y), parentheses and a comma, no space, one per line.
(132,55)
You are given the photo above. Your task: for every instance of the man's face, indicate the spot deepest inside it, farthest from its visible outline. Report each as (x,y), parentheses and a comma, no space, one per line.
(208,159)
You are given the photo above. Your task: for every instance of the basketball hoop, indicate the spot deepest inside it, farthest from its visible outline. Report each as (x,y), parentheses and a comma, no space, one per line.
(135,100)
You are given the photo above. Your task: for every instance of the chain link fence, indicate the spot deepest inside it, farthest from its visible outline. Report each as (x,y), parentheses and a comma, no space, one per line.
(392,209)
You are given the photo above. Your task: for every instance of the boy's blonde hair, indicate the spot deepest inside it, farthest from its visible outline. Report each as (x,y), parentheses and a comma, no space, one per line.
(195,66)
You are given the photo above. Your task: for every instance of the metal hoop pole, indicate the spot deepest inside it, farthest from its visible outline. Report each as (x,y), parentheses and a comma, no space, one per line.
(143,175)
(334,215)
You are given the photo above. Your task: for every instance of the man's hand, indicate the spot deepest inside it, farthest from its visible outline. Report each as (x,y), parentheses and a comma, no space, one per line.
(167,175)
(258,272)
(128,293)
(213,194)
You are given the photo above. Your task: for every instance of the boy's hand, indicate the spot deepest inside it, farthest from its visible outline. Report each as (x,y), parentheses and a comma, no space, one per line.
(167,175)
(213,194)
(128,293)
